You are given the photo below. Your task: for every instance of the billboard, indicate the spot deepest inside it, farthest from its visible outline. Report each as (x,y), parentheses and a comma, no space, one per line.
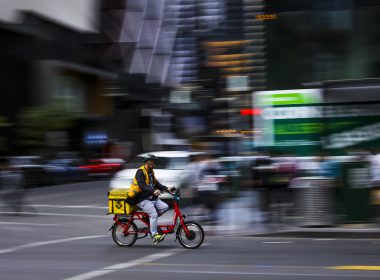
(305,121)
(289,120)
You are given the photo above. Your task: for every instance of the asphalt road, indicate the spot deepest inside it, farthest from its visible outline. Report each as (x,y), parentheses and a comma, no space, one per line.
(62,233)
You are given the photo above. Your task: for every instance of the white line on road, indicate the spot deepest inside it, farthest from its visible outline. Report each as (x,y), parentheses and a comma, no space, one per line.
(64,206)
(43,243)
(277,242)
(56,214)
(28,224)
(323,239)
(120,266)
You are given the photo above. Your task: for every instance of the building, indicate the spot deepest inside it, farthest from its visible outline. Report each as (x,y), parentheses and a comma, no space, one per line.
(46,63)
(321,40)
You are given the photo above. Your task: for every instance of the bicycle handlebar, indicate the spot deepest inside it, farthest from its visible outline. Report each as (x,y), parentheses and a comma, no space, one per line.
(175,193)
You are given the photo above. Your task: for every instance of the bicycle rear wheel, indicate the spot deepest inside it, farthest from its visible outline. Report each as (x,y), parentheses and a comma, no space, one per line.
(122,237)
(195,237)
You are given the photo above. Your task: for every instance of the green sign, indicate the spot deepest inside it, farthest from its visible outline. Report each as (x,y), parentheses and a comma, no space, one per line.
(299,122)
(287,98)
(290,120)
(352,125)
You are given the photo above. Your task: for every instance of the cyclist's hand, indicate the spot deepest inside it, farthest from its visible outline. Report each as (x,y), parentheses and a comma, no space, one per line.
(171,190)
(157,192)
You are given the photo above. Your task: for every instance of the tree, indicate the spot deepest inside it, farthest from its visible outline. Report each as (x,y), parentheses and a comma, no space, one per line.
(36,123)
(3,125)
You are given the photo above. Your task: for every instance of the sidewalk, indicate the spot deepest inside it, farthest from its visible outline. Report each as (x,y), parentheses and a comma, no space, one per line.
(362,231)
(241,217)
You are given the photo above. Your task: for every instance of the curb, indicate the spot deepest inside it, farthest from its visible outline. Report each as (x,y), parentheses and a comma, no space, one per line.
(348,234)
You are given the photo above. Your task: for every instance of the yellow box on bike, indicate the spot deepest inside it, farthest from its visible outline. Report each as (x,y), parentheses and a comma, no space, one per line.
(117,202)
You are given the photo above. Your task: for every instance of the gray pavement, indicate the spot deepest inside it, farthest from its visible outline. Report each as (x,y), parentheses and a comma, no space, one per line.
(62,233)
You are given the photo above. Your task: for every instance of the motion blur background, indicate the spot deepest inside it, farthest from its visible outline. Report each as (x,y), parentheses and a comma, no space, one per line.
(294,82)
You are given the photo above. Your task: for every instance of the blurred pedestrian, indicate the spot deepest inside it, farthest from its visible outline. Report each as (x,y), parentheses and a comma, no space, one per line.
(375,168)
(191,178)
(281,195)
(12,186)
(375,183)
(208,186)
(262,174)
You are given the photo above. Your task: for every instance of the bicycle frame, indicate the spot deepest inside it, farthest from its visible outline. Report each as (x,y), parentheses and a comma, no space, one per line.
(144,218)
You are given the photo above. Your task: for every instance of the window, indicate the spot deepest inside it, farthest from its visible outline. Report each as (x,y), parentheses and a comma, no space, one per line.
(69,94)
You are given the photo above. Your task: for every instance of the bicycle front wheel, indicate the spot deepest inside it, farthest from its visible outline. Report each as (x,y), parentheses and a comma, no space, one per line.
(195,237)
(124,237)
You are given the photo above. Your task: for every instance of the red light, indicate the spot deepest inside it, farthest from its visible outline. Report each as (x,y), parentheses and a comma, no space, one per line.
(250,112)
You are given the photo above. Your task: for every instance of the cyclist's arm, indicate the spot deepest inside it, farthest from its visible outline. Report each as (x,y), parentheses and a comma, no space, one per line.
(160,186)
(167,189)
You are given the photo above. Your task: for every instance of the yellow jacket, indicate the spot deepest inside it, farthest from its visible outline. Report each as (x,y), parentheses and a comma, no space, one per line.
(134,189)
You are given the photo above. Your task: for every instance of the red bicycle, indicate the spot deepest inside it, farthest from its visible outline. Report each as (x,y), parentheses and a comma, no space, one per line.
(125,232)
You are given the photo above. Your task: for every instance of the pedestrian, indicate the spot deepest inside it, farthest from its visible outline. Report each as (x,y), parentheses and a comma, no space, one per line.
(262,175)
(190,179)
(12,186)
(208,185)
(375,168)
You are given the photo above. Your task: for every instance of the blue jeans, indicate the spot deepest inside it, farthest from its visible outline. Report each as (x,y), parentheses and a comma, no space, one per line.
(154,208)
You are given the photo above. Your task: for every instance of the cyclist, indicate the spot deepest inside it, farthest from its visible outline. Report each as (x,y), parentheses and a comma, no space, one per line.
(147,200)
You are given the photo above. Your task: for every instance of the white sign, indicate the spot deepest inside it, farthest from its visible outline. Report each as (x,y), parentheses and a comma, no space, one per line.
(237,83)
(180,96)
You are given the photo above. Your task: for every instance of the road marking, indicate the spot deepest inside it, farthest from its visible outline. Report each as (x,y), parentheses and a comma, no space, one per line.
(57,214)
(277,242)
(120,266)
(63,206)
(224,265)
(356,267)
(43,243)
(28,224)
(323,239)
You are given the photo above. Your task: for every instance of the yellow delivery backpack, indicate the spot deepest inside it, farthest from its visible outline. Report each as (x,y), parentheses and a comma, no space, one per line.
(134,189)
(118,202)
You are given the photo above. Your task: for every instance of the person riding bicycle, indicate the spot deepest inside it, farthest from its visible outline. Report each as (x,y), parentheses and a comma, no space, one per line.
(147,200)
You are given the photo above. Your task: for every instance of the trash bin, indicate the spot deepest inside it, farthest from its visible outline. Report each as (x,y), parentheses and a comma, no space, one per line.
(314,201)
(355,193)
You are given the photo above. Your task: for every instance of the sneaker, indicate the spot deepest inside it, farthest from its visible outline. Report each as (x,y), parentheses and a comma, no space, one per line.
(157,238)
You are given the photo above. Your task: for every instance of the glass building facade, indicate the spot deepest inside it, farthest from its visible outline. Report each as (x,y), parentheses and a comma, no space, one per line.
(321,40)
